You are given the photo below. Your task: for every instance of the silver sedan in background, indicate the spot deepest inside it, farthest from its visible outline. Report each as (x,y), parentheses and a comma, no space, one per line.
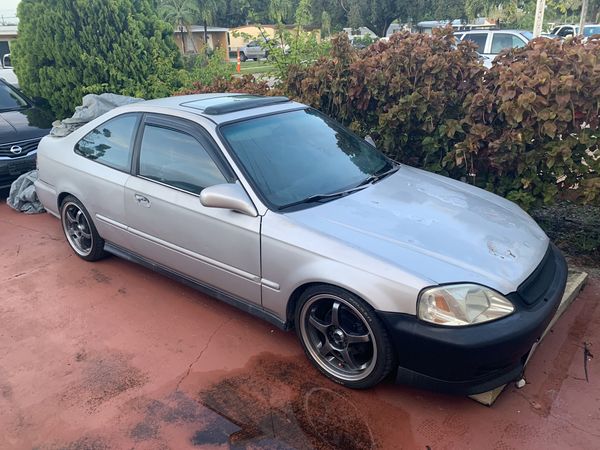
(271,206)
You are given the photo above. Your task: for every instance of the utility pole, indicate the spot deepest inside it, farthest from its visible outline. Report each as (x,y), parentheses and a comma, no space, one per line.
(584,7)
(539,17)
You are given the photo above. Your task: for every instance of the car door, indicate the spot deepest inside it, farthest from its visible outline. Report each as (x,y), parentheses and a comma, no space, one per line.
(254,50)
(174,160)
(104,157)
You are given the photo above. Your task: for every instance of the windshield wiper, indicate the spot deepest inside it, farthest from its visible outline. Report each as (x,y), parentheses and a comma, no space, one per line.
(324,197)
(379,176)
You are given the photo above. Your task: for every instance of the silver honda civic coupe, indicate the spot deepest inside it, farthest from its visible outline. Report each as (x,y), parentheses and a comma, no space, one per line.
(271,206)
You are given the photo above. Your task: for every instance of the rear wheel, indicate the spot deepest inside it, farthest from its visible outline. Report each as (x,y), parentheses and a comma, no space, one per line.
(80,231)
(343,337)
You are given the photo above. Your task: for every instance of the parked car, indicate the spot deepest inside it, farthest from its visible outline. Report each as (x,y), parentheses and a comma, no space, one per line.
(571,30)
(253,50)
(7,73)
(491,42)
(273,207)
(22,125)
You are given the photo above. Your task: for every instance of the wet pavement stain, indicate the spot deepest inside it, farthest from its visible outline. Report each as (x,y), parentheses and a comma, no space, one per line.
(100,277)
(284,403)
(273,402)
(104,377)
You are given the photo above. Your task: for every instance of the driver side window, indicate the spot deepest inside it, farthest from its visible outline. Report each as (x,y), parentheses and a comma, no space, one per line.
(177,159)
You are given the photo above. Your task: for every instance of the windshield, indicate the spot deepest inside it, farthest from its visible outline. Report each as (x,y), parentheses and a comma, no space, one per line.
(10,99)
(527,34)
(296,155)
(589,31)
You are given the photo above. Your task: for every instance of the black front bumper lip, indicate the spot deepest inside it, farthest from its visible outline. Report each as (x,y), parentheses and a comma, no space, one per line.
(478,358)
(8,172)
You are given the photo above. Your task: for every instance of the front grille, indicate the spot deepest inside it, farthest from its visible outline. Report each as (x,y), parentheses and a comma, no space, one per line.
(26,148)
(532,290)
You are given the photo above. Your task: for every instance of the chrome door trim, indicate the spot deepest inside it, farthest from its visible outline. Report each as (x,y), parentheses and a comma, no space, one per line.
(114,223)
(269,284)
(199,286)
(196,256)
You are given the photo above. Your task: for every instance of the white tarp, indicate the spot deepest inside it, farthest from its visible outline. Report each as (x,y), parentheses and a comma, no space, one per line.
(22,196)
(92,106)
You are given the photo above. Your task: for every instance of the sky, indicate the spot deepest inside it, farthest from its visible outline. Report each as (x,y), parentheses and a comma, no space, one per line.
(8,8)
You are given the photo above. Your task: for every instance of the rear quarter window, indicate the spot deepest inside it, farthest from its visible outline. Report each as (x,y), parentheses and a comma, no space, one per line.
(111,143)
(477,38)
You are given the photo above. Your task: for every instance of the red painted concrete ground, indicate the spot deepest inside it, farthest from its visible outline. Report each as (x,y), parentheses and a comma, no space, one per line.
(111,355)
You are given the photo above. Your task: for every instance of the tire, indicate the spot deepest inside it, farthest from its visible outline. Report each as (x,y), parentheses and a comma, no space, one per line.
(243,57)
(351,347)
(79,230)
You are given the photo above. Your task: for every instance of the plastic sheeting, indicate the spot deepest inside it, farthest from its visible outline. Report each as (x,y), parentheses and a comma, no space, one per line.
(92,106)
(22,196)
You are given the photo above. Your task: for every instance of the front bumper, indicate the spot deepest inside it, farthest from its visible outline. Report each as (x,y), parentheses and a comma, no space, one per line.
(478,358)
(12,168)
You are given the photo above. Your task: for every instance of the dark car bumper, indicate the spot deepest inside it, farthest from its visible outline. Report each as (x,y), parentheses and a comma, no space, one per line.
(475,359)
(11,168)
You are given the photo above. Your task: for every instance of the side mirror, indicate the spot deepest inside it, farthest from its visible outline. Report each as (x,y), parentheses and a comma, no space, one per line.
(370,140)
(228,196)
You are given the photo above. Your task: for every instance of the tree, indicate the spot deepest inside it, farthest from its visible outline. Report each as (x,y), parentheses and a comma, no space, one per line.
(181,14)
(209,10)
(375,14)
(280,10)
(67,48)
(304,13)
(325,23)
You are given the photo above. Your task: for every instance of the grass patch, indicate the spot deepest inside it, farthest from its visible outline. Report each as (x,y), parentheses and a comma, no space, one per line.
(255,67)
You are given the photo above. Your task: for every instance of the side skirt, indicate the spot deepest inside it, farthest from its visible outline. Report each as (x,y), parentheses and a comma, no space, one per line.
(205,289)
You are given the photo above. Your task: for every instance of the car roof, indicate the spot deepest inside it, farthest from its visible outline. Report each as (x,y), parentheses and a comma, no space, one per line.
(225,107)
(494,30)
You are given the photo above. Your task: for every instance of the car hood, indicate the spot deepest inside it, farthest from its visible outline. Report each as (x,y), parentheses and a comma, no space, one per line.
(434,227)
(24,124)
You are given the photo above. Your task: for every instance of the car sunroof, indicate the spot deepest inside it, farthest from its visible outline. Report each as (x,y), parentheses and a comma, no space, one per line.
(227,104)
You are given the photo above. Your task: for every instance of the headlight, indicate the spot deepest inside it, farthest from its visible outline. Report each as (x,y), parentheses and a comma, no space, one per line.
(462,304)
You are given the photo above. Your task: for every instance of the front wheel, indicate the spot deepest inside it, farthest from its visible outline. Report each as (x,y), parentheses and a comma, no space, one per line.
(243,57)
(80,231)
(343,337)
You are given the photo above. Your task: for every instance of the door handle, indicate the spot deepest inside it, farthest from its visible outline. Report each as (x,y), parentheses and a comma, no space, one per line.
(142,200)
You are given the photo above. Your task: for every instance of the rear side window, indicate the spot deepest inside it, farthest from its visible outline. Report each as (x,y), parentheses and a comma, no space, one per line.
(477,38)
(566,31)
(501,41)
(177,159)
(110,143)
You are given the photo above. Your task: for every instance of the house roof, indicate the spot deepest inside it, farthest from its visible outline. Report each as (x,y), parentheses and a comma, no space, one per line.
(8,30)
(200,29)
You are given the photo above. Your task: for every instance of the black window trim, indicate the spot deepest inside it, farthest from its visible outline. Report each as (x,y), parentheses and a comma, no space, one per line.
(132,141)
(185,126)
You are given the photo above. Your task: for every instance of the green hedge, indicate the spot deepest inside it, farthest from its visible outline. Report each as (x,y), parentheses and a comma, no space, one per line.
(526,129)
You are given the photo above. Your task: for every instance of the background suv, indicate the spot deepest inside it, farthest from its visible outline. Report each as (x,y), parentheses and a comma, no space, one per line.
(491,42)
(252,50)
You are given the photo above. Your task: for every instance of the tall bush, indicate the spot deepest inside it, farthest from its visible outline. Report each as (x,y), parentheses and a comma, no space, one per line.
(532,125)
(67,48)
(406,93)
